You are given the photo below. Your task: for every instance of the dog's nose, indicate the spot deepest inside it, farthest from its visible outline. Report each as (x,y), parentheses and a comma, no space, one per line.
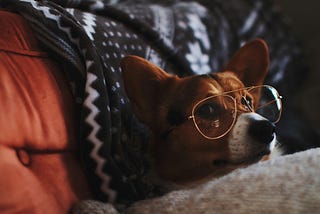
(262,131)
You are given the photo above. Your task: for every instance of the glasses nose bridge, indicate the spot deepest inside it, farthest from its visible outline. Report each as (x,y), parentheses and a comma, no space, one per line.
(235,93)
(241,101)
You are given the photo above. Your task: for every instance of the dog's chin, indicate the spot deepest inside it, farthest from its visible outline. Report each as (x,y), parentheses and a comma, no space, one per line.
(258,154)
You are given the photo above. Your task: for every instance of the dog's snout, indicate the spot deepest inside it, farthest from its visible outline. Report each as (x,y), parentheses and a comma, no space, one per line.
(262,131)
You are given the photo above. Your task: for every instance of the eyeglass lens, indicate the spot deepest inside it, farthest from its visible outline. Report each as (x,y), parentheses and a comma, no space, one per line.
(215,116)
(267,102)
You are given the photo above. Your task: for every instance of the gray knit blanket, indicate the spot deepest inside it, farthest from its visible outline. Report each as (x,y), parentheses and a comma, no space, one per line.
(287,184)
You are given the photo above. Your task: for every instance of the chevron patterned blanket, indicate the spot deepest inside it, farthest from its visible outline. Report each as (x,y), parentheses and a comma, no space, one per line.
(89,37)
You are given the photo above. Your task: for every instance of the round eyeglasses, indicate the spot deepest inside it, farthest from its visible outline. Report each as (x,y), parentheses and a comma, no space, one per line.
(215,116)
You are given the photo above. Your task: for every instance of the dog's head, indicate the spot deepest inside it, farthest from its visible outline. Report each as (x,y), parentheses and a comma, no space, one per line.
(203,125)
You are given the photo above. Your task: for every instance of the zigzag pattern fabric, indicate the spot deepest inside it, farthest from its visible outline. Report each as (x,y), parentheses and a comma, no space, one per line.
(89,37)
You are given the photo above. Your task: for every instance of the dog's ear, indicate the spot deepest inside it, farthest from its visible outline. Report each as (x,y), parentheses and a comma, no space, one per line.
(144,83)
(250,62)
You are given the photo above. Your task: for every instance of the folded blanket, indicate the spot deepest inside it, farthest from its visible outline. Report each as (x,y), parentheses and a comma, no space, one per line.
(288,184)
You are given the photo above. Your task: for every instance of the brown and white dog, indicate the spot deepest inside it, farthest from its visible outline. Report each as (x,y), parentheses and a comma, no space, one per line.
(163,102)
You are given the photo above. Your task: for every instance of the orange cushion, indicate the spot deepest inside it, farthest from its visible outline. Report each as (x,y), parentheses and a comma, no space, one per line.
(38,165)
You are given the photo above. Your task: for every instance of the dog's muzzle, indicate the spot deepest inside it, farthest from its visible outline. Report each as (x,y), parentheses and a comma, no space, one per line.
(251,137)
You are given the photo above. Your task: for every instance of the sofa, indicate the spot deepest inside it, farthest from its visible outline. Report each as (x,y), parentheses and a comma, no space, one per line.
(63,105)
(40,171)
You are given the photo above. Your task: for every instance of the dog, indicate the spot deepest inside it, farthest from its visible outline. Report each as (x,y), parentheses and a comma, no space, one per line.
(182,153)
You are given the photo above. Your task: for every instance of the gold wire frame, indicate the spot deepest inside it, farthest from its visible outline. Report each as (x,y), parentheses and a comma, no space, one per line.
(278,99)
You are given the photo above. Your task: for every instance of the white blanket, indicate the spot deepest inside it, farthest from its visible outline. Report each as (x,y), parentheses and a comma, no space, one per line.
(287,184)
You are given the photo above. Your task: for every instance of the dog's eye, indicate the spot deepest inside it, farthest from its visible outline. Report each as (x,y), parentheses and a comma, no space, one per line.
(208,111)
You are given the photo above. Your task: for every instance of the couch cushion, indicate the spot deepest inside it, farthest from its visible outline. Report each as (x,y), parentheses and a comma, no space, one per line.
(35,94)
(38,127)
(51,183)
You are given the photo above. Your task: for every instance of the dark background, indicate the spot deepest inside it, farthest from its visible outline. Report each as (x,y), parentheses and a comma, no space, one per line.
(304,20)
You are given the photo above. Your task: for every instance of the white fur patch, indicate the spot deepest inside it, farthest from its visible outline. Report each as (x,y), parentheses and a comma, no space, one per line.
(241,145)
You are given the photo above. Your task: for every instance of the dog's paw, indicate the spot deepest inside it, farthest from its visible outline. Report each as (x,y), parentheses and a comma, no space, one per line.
(93,207)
